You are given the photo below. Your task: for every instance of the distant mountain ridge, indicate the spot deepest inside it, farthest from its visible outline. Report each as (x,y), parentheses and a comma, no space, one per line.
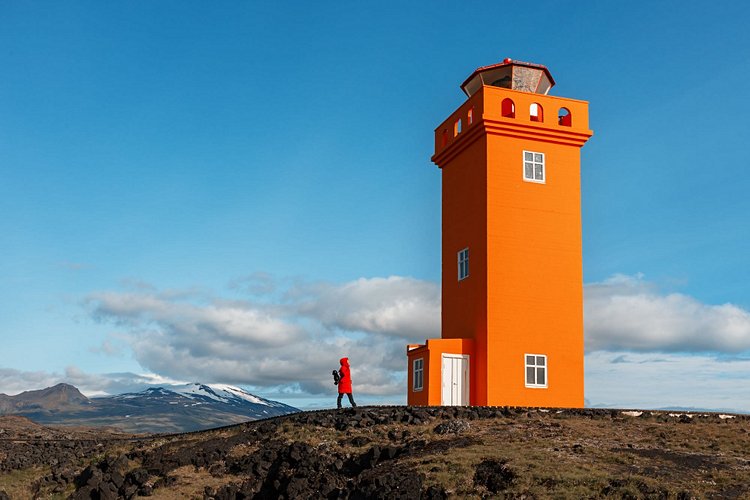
(163,409)
(50,398)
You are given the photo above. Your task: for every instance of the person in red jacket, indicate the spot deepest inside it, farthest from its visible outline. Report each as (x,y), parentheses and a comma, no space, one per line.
(345,382)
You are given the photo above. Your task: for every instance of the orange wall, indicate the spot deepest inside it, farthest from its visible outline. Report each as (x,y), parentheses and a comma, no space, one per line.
(524,293)
(464,311)
(418,398)
(432,353)
(534,273)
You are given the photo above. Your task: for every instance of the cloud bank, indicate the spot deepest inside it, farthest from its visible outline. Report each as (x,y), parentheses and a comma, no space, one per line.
(628,313)
(292,343)
(644,347)
(17,381)
(650,349)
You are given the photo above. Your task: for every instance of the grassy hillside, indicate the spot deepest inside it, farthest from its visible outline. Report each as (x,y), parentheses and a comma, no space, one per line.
(400,452)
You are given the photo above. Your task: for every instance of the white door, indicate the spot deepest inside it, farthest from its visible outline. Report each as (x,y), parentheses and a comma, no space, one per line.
(455,380)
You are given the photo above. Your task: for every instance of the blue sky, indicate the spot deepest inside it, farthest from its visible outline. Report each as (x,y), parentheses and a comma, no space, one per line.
(241,192)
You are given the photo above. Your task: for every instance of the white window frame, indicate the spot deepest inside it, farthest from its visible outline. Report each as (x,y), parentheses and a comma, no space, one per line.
(534,163)
(536,367)
(417,368)
(463,263)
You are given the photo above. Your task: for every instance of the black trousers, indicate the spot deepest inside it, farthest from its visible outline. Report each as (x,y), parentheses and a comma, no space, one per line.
(351,399)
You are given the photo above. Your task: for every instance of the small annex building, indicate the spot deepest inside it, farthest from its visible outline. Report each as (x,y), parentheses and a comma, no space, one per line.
(512,279)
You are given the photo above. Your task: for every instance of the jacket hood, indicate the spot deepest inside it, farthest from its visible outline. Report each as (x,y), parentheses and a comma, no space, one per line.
(344,361)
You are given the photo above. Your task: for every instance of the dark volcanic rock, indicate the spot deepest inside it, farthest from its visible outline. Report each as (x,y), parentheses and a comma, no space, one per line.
(435,493)
(495,475)
(400,483)
(360,441)
(452,427)
(295,470)
(376,455)
(109,478)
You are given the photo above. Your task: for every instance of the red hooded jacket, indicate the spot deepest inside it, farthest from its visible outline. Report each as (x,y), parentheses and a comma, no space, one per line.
(345,384)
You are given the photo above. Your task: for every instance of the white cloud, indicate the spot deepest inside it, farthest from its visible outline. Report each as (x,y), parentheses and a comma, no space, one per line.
(16,381)
(628,313)
(294,343)
(396,306)
(237,322)
(649,349)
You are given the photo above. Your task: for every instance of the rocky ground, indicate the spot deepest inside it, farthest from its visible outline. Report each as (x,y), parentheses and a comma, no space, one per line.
(394,452)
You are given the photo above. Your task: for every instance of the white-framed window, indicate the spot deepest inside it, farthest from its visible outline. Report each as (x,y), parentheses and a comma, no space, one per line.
(418,374)
(536,370)
(533,167)
(463,264)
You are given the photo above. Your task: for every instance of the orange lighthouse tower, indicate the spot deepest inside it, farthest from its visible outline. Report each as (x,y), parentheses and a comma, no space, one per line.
(512,287)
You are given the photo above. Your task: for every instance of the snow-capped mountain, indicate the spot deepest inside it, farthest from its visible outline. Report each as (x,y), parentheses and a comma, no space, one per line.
(223,393)
(163,409)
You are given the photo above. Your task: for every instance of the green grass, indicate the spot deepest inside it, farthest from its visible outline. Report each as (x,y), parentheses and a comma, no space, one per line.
(19,483)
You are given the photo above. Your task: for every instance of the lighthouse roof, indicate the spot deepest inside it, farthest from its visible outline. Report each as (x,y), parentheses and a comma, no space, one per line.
(510,74)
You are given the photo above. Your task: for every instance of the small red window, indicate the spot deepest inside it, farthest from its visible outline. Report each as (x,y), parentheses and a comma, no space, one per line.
(508,108)
(564,117)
